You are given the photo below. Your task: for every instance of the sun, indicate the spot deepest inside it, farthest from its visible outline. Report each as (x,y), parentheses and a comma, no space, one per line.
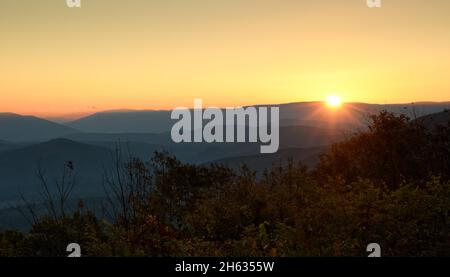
(334,101)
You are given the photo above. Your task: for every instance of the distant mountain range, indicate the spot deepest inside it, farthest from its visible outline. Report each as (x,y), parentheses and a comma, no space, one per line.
(18,128)
(124,121)
(315,114)
(92,154)
(307,129)
(290,136)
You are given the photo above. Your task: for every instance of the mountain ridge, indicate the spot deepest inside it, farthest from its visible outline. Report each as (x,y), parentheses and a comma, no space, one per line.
(19,128)
(314,113)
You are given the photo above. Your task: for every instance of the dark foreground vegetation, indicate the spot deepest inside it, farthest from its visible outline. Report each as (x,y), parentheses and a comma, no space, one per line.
(388,184)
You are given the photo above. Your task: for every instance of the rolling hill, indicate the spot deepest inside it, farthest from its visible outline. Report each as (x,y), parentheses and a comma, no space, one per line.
(436,119)
(316,114)
(147,121)
(18,167)
(259,162)
(5,145)
(91,153)
(143,145)
(18,128)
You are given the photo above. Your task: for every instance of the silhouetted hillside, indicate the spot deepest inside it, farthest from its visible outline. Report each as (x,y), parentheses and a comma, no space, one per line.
(436,119)
(142,145)
(259,162)
(18,167)
(317,114)
(123,137)
(5,145)
(17,128)
(124,122)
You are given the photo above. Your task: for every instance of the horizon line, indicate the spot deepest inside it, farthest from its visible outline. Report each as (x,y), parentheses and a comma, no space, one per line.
(66,117)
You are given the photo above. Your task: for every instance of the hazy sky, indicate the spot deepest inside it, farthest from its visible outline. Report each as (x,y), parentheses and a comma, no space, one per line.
(144,54)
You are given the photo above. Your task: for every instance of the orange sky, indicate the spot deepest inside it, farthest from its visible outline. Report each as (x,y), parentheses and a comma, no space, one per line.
(114,54)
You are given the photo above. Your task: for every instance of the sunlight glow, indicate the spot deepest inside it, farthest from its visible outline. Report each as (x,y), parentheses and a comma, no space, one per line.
(334,101)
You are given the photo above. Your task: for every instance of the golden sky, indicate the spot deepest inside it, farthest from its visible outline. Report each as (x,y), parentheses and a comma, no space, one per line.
(144,54)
